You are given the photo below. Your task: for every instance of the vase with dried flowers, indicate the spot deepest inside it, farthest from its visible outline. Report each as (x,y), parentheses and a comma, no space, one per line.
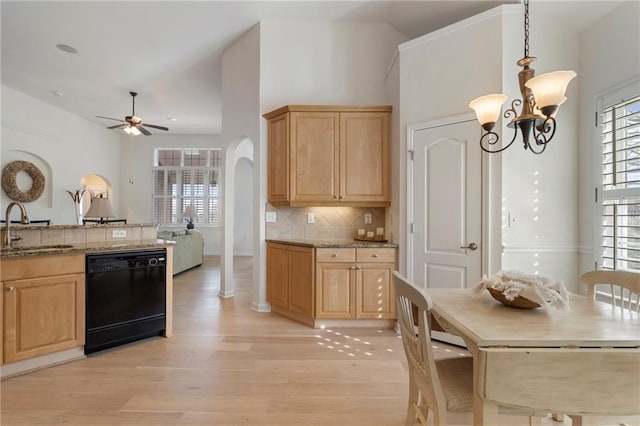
(77,203)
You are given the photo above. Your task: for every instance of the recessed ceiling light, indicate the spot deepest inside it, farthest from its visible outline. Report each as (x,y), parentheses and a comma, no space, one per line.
(57,93)
(172,119)
(67,48)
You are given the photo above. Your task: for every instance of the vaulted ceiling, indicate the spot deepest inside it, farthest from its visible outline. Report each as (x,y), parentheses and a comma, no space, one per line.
(168,51)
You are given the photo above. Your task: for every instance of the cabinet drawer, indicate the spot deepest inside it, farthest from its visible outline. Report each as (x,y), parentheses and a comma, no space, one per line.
(335,255)
(384,255)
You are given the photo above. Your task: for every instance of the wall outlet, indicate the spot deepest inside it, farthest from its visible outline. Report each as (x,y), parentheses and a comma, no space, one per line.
(311,218)
(367,219)
(119,233)
(270,217)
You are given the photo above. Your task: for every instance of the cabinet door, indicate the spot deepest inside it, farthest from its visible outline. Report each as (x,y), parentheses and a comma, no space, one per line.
(364,154)
(301,295)
(335,290)
(43,315)
(278,155)
(374,291)
(314,156)
(277,275)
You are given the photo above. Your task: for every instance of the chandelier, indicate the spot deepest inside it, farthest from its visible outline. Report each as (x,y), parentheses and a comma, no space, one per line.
(541,98)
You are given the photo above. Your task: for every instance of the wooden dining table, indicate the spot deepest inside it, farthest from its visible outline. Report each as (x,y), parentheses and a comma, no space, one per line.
(584,361)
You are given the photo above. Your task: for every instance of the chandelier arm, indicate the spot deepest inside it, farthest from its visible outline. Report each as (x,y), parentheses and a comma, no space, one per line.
(491,138)
(511,112)
(541,146)
(544,132)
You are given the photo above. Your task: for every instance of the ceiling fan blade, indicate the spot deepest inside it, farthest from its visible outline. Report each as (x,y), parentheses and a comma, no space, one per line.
(108,118)
(118,126)
(143,130)
(155,126)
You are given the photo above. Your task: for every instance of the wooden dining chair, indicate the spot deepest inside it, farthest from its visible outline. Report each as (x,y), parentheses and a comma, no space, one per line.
(624,286)
(440,386)
(625,292)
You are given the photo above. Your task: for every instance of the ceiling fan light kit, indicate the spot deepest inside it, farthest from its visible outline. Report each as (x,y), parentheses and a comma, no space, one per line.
(132,124)
(541,98)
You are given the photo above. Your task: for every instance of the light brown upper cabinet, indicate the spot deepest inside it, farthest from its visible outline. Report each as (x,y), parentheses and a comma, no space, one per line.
(328,155)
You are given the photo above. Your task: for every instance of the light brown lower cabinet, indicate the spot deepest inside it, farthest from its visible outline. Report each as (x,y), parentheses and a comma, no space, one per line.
(43,305)
(290,280)
(307,284)
(355,283)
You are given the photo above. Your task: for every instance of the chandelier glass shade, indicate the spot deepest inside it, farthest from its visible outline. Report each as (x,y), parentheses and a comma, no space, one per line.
(541,97)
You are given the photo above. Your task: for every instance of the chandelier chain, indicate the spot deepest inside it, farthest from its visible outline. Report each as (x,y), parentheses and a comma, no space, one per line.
(526,28)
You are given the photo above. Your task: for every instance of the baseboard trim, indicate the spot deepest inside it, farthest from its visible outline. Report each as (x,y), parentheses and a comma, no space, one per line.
(261,307)
(40,362)
(226,294)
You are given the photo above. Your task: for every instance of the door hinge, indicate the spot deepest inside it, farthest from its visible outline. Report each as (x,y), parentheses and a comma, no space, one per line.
(410,154)
(596,193)
(595,119)
(411,228)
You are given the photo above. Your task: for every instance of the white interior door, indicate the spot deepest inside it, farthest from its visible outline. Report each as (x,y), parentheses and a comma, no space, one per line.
(446,204)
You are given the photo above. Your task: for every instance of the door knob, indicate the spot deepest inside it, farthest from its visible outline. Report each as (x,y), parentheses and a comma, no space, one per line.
(471,246)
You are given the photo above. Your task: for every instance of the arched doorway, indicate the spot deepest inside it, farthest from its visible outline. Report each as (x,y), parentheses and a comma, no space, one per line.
(239,149)
(95,185)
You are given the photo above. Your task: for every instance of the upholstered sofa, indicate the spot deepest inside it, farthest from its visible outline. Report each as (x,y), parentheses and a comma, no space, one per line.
(188,250)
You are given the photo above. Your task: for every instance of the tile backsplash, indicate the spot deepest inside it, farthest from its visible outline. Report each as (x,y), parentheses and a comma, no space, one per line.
(330,222)
(81,234)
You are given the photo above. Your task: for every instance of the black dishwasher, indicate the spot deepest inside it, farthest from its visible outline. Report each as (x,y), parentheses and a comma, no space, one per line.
(125,297)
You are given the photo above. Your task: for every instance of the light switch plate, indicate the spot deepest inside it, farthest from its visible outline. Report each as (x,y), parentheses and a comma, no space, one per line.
(311,218)
(270,217)
(119,233)
(367,218)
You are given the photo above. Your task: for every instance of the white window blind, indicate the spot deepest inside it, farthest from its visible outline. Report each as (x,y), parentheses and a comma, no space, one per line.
(184,177)
(620,223)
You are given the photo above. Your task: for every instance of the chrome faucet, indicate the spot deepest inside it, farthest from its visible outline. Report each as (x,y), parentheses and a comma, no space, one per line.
(8,239)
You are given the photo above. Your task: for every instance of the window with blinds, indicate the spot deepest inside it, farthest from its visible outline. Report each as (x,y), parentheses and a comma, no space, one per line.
(620,247)
(183,178)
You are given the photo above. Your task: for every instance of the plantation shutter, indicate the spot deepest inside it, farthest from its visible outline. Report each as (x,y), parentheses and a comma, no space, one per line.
(620,247)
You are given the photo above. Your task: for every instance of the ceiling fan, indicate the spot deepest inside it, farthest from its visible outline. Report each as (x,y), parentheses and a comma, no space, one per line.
(131,124)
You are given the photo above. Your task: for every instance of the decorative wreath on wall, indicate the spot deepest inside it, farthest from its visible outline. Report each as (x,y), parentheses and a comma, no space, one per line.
(10,186)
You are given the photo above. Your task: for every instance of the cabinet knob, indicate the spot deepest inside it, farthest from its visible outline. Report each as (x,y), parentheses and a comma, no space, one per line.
(358,268)
(374,255)
(334,255)
(10,288)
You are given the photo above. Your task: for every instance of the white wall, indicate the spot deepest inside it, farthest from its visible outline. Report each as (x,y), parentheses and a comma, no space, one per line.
(64,146)
(395,227)
(609,56)
(539,192)
(241,119)
(325,64)
(434,84)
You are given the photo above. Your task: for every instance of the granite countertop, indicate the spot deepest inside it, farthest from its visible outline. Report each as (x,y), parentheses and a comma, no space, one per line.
(15,226)
(61,249)
(334,243)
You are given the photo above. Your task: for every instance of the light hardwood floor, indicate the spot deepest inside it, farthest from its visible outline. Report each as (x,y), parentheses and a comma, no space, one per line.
(226,365)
